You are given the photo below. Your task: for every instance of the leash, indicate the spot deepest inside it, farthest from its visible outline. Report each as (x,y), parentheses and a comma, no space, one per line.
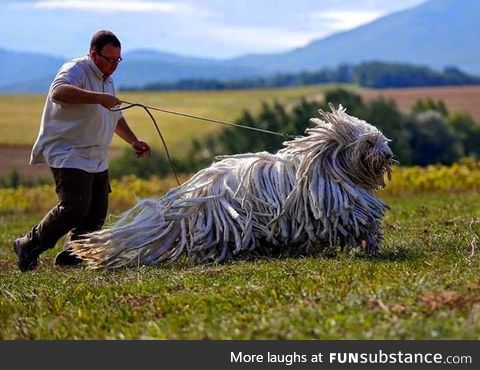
(158,131)
(130,105)
(148,108)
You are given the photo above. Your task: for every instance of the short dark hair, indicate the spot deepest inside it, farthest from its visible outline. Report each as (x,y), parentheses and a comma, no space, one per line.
(102,38)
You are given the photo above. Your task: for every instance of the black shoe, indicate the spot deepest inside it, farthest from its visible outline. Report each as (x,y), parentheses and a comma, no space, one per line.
(67,258)
(27,254)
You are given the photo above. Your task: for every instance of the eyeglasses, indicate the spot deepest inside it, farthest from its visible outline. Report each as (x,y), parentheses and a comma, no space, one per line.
(110,59)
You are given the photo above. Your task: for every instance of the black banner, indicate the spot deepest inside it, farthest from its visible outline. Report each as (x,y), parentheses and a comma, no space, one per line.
(238,354)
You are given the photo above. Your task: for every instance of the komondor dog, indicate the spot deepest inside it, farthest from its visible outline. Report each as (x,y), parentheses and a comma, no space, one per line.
(316,192)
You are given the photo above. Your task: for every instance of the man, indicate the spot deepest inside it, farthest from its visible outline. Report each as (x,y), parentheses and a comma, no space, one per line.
(76,129)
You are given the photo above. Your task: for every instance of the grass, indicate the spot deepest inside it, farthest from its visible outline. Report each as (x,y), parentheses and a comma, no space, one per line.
(24,111)
(423,285)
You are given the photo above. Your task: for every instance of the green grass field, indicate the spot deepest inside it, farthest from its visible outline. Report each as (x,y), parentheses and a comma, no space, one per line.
(423,285)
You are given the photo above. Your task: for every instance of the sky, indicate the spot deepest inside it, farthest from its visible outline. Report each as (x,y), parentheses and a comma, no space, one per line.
(217,29)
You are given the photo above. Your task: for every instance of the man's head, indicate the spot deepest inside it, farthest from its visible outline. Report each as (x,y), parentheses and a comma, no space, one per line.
(105,51)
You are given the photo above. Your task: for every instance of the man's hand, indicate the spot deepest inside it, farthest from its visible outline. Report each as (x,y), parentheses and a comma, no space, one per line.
(109,101)
(141,148)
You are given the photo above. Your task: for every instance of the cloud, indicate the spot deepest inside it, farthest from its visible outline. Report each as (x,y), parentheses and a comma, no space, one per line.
(345,20)
(257,39)
(261,39)
(110,6)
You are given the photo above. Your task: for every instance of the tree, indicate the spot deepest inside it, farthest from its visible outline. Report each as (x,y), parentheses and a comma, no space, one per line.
(424,105)
(433,140)
(467,131)
(385,115)
(353,102)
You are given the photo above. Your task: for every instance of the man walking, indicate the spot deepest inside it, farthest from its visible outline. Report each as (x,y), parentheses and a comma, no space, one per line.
(76,130)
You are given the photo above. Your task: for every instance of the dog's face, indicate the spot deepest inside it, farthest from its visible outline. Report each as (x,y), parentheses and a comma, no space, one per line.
(371,158)
(363,151)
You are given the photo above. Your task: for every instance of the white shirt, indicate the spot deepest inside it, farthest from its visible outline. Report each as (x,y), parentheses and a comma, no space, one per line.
(76,135)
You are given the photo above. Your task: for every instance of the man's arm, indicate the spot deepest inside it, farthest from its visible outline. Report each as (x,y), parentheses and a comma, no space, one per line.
(123,130)
(74,95)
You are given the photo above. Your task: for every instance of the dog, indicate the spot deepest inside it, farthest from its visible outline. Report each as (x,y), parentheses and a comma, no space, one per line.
(316,192)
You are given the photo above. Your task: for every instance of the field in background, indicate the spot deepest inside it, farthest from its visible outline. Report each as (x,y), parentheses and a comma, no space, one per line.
(21,114)
(457,98)
(20,117)
(19,121)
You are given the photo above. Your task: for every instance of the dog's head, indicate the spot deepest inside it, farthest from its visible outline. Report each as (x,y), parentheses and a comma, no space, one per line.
(363,150)
(349,148)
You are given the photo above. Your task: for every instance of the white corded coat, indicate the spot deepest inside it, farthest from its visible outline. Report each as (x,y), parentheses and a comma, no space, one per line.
(318,191)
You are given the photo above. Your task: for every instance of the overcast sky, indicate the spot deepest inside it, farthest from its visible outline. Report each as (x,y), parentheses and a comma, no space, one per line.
(206,28)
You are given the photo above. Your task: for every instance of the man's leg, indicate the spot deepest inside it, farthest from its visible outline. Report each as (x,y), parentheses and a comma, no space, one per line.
(93,221)
(73,188)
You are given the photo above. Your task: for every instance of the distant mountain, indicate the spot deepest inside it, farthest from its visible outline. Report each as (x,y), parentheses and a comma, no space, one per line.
(437,33)
(28,72)
(22,71)
(163,57)
(145,66)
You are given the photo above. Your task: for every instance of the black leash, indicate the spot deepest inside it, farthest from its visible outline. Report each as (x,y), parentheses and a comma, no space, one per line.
(148,108)
(158,131)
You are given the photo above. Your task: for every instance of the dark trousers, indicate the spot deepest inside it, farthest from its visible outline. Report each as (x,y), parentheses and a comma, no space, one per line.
(82,207)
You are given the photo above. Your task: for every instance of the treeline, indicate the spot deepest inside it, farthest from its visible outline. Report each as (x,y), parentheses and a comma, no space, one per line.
(371,74)
(383,75)
(426,135)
